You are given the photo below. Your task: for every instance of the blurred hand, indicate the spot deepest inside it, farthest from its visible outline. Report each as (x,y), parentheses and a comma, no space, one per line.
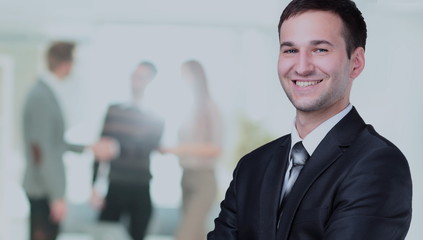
(97,201)
(58,210)
(168,150)
(163,150)
(105,149)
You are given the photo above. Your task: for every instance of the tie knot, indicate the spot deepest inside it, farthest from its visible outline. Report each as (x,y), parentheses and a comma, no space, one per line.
(299,154)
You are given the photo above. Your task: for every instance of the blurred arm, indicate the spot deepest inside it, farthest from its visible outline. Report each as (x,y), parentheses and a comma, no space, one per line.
(193,150)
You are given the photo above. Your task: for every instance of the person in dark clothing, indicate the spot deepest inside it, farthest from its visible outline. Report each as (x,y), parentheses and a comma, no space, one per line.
(334,176)
(137,133)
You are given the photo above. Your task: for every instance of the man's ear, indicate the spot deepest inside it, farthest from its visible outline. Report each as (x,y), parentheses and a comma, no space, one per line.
(357,62)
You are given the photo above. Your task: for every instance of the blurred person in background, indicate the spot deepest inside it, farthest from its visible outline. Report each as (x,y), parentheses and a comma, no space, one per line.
(200,140)
(137,132)
(44,145)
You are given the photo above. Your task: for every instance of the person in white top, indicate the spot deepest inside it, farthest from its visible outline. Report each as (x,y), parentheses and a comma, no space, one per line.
(200,140)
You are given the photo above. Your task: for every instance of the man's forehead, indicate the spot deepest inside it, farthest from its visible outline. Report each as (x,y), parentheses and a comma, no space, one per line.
(312,22)
(315,14)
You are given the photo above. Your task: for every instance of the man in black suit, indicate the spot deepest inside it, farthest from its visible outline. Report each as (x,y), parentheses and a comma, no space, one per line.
(351,182)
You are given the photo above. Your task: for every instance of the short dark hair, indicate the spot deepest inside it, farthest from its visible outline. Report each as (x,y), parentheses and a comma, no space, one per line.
(355,30)
(58,53)
(150,65)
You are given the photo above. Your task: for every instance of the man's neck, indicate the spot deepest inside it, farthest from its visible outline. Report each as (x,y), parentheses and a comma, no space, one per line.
(58,75)
(136,99)
(306,122)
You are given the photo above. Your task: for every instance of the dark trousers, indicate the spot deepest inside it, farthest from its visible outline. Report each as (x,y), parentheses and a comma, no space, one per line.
(132,199)
(41,226)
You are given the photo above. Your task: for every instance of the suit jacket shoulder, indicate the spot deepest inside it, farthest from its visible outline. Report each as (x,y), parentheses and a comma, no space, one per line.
(354,186)
(259,157)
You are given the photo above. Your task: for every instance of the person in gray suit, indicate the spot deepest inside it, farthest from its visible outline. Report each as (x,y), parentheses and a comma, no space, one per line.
(43,135)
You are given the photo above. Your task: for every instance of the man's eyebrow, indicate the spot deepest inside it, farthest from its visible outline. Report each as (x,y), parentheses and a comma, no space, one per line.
(313,43)
(319,42)
(287,44)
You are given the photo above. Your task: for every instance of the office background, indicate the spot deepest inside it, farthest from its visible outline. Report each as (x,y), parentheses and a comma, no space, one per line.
(237,43)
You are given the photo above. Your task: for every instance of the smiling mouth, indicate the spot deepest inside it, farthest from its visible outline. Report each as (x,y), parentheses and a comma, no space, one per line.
(306,83)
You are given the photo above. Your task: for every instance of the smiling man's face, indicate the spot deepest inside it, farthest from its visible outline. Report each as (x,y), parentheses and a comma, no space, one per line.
(314,68)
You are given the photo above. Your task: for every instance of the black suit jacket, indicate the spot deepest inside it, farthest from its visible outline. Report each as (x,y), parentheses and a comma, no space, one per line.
(356,185)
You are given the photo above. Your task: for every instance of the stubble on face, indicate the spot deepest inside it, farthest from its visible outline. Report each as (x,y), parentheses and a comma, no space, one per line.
(322,101)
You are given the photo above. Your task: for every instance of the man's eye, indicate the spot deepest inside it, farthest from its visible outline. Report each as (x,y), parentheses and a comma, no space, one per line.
(321,50)
(290,51)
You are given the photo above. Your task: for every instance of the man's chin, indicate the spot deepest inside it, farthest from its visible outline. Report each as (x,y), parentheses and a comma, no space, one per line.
(307,107)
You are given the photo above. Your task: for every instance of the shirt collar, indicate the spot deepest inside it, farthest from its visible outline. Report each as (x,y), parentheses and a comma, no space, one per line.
(60,89)
(313,139)
(52,81)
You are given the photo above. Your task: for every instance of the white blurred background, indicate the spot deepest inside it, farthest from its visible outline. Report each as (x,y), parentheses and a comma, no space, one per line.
(237,43)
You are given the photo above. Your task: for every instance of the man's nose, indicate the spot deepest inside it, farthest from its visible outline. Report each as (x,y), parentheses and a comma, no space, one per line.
(304,66)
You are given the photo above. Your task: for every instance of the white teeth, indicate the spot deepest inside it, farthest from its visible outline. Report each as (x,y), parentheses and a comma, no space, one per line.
(306,84)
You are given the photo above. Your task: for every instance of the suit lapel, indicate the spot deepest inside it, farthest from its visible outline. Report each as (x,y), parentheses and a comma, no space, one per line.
(271,187)
(329,150)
